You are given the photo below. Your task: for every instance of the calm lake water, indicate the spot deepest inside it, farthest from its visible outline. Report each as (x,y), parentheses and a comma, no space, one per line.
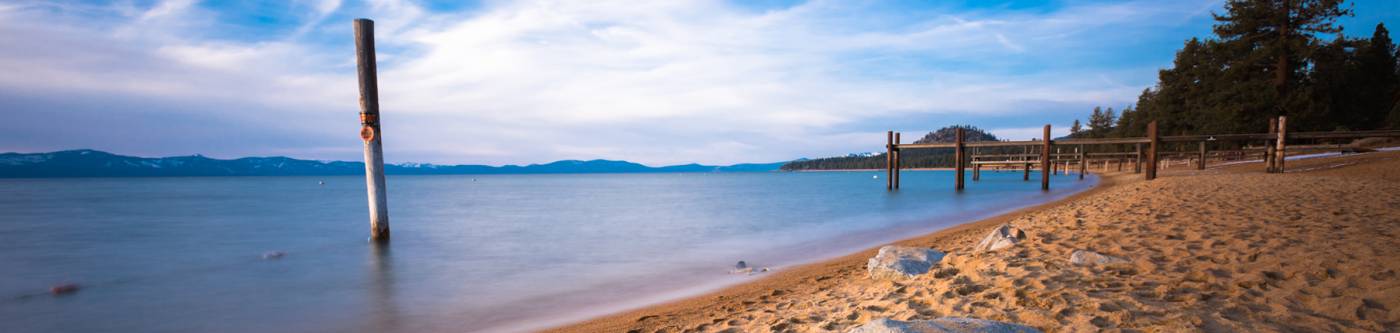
(470,253)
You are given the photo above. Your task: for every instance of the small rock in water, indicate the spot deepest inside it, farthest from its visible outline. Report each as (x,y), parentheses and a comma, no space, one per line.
(741,265)
(1089,258)
(941,325)
(1002,237)
(271,255)
(63,288)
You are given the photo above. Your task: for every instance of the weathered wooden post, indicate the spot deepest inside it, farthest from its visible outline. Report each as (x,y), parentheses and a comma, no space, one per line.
(1201,160)
(958,157)
(1025,159)
(1083,161)
(1282,145)
(1151,151)
(1045,160)
(898,159)
(889,160)
(1269,147)
(370,131)
(1137,159)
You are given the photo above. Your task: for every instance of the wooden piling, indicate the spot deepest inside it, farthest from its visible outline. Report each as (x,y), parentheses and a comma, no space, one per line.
(370,130)
(898,159)
(1152,138)
(1045,160)
(958,157)
(1083,162)
(1280,154)
(889,160)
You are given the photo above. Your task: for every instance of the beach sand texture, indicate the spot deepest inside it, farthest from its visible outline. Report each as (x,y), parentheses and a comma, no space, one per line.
(1228,249)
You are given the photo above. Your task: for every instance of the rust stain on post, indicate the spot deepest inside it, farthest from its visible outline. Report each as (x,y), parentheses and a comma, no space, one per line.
(370,131)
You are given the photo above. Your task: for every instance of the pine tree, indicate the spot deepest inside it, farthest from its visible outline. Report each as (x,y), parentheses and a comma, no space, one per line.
(1075,129)
(1271,42)
(1375,81)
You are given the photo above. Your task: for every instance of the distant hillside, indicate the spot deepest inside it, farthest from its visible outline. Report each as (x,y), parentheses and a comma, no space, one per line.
(92,163)
(921,158)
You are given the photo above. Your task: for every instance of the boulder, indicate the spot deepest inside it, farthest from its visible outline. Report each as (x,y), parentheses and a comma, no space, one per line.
(1002,237)
(941,325)
(1090,258)
(902,262)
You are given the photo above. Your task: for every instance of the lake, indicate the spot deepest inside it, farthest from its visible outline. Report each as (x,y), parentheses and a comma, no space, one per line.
(469,253)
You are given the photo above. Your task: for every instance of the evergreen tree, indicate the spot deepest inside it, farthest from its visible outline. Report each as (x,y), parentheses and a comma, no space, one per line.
(1075,129)
(1375,80)
(1271,42)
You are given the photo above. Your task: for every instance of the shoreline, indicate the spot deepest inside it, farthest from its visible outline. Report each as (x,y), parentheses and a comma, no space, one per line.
(1228,248)
(816,273)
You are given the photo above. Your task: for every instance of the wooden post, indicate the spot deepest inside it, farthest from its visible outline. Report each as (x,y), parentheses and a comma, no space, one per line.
(889,160)
(1083,162)
(1280,154)
(958,157)
(1269,147)
(1201,160)
(898,158)
(1045,160)
(1151,151)
(1137,159)
(976,172)
(370,131)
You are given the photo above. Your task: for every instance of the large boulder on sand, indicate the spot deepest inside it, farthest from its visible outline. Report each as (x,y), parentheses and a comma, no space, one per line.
(1090,258)
(902,262)
(1003,236)
(941,325)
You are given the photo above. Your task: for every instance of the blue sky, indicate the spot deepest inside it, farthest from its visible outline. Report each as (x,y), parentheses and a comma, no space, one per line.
(508,82)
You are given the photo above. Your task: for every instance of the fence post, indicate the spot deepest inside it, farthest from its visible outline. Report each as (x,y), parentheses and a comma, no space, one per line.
(370,130)
(898,160)
(1151,150)
(1045,160)
(1282,145)
(889,160)
(1201,164)
(958,157)
(1269,146)
(1083,161)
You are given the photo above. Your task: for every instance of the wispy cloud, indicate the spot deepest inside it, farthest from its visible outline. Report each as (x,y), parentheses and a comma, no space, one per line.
(516,82)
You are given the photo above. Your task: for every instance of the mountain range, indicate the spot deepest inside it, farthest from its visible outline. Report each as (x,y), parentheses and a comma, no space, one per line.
(93,163)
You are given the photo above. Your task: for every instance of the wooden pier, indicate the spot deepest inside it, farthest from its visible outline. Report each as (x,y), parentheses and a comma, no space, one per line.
(1273,149)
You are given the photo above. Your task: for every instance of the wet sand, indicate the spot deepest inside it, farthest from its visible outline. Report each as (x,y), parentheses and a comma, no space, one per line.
(1225,249)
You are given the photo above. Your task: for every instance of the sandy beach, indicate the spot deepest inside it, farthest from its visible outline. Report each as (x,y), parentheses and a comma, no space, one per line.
(1226,249)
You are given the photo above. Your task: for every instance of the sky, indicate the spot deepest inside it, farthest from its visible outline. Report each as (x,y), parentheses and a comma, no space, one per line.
(520,82)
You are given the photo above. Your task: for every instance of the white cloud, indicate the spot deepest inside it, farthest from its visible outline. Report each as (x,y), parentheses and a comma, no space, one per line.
(516,82)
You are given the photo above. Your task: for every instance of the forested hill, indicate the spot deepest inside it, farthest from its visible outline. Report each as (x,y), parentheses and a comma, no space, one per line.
(919,158)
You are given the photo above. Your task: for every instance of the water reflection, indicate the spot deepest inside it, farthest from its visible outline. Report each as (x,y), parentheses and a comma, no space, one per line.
(384,313)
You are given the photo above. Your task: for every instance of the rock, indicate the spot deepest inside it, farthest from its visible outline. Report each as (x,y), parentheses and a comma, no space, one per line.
(63,288)
(272,255)
(1002,237)
(1090,258)
(941,325)
(902,262)
(741,265)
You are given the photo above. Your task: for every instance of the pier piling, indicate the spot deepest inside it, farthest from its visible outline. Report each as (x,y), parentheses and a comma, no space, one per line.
(1045,160)
(370,130)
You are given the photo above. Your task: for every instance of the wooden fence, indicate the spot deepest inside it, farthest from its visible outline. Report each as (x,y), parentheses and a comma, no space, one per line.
(1273,150)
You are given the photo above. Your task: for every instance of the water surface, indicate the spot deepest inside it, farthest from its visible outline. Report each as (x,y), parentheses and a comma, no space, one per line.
(470,253)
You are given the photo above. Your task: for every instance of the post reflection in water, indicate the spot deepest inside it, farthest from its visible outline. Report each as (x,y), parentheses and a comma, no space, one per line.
(384,314)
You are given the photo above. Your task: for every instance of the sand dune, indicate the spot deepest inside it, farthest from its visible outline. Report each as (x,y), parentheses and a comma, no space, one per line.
(1226,249)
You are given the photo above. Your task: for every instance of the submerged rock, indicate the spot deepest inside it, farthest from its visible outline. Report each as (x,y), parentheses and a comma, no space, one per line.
(941,325)
(1089,258)
(902,262)
(64,288)
(272,255)
(1002,237)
